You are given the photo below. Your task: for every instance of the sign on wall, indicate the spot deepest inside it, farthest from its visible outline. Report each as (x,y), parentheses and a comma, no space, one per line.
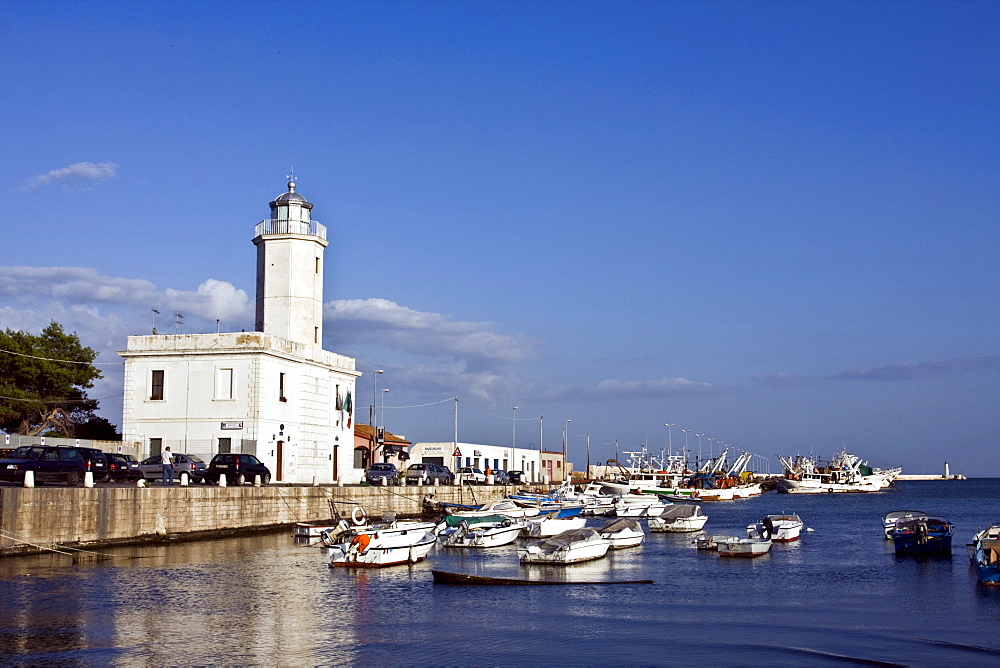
(232,424)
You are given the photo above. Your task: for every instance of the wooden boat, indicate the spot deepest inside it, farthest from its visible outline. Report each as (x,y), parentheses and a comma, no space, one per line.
(679,518)
(922,535)
(444,577)
(743,547)
(491,531)
(382,549)
(568,547)
(985,555)
(622,532)
(778,528)
(890,519)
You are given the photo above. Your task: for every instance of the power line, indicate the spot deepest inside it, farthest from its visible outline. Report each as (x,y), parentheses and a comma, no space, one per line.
(51,359)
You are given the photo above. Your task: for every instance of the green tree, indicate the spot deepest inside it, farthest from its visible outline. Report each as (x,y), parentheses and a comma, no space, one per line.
(43,382)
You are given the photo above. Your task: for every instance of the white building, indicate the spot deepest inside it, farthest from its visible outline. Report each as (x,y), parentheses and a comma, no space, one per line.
(456,455)
(275,392)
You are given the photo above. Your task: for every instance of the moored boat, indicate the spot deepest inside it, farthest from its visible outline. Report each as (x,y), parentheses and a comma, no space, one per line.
(706,541)
(845,473)
(622,532)
(985,555)
(382,549)
(490,531)
(505,507)
(778,528)
(679,518)
(550,524)
(568,547)
(743,547)
(922,535)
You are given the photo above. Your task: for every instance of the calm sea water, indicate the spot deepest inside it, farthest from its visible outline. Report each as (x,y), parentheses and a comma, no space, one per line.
(839,594)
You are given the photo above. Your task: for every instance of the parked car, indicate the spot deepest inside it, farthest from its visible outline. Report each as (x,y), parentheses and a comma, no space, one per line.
(238,469)
(471,475)
(47,464)
(123,468)
(97,461)
(515,477)
(429,474)
(500,477)
(152,467)
(376,472)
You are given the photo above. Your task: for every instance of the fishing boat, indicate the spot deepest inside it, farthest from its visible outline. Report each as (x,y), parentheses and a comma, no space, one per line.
(343,532)
(985,555)
(845,473)
(679,518)
(706,541)
(890,519)
(922,535)
(778,528)
(550,524)
(622,532)
(382,549)
(569,547)
(743,547)
(492,531)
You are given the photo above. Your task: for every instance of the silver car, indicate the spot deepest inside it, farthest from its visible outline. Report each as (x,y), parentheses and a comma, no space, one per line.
(152,467)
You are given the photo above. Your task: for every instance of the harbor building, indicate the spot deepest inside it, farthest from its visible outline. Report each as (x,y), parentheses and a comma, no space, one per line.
(456,455)
(274,392)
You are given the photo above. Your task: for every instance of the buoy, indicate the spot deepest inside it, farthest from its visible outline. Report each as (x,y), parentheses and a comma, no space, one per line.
(222,481)
(358,515)
(29,478)
(184,478)
(88,479)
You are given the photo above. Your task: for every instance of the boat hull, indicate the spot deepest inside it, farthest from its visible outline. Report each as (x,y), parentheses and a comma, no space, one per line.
(681,525)
(744,547)
(382,552)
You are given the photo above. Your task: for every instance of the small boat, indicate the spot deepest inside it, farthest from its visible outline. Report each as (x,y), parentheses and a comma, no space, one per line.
(309,530)
(382,549)
(622,532)
(890,519)
(706,541)
(779,528)
(639,506)
(505,507)
(444,577)
(550,524)
(743,547)
(343,532)
(922,535)
(490,531)
(568,547)
(679,518)
(985,555)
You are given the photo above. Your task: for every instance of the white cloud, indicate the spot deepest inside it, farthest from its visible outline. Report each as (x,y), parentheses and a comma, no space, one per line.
(380,321)
(78,174)
(634,389)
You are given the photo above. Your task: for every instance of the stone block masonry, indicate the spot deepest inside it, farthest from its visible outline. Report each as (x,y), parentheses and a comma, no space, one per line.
(88,517)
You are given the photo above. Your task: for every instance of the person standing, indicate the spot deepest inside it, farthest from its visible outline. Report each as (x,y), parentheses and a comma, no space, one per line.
(167,462)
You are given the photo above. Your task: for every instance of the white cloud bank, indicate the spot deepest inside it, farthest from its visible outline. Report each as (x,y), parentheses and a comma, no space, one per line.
(79,174)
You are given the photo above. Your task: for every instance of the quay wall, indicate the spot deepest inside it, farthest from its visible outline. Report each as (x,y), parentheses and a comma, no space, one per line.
(85,517)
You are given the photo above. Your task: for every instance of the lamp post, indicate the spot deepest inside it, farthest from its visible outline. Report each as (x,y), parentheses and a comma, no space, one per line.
(382,420)
(670,440)
(566,446)
(686,432)
(374,416)
(513,436)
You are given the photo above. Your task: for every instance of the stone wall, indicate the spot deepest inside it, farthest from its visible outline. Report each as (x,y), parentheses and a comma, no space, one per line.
(106,515)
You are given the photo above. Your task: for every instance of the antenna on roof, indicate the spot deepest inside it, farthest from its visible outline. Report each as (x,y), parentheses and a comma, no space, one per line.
(154,314)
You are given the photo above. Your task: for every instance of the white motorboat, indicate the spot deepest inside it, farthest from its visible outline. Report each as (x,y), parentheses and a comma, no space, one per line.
(622,532)
(505,507)
(890,519)
(706,541)
(550,524)
(679,518)
(491,531)
(743,547)
(779,528)
(631,505)
(568,547)
(845,473)
(379,549)
(343,532)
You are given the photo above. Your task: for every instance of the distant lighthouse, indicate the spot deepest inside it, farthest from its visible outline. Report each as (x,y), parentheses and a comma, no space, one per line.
(290,270)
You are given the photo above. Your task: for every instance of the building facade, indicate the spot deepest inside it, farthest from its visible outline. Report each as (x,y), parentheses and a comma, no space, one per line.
(274,392)
(456,455)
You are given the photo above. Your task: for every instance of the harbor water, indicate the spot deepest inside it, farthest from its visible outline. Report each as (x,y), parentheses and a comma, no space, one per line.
(838,594)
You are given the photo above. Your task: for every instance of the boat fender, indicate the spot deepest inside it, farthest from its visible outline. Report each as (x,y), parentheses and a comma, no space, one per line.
(361,541)
(506,523)
(358,515)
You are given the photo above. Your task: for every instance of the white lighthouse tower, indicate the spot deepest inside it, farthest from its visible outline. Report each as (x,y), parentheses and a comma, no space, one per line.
(290,270)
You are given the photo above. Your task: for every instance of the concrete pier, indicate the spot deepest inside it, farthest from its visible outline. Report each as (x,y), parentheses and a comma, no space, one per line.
(119,515)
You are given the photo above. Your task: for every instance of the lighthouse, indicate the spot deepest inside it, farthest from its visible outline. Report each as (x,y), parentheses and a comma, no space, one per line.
(290,249)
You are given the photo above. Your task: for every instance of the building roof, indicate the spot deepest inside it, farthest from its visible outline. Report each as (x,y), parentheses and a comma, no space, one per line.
(367,432)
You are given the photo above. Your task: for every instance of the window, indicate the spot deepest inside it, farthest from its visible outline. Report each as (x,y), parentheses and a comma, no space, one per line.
(156,385)
(225,445)
(155,446)
(223,383)
(281,387)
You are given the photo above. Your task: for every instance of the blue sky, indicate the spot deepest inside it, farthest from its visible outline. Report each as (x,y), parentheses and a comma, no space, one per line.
(772,223)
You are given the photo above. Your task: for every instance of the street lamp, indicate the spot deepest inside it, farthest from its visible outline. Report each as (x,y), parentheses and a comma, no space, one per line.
(699,450)
(382,420)
(513,436)
(670,440)
(566,440)
(375,396)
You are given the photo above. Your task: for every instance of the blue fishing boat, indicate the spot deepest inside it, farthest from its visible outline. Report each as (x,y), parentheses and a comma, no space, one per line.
(922,535)
(985,554)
